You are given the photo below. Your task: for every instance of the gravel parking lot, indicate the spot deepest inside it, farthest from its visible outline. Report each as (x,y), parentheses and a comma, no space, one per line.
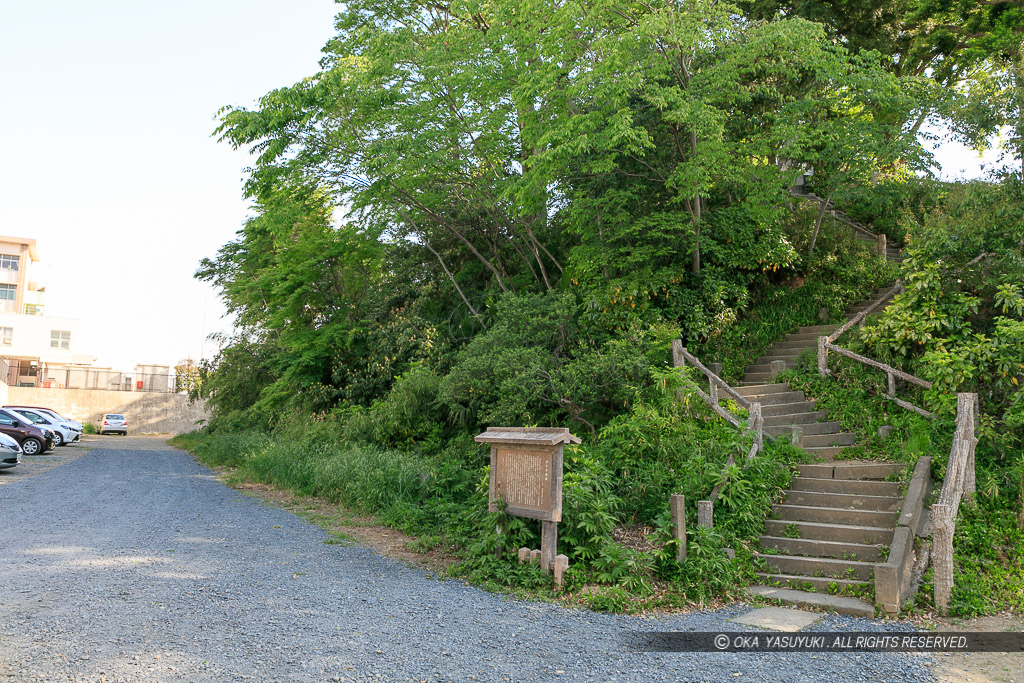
(132,562)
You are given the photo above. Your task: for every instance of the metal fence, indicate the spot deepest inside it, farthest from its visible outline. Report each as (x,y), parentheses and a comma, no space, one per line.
(21,374)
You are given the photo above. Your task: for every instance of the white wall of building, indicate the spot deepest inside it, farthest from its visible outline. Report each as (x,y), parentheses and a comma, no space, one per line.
(31,338)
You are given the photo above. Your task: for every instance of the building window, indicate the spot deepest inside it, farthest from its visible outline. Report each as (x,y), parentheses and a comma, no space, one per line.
(8,262)
(7,292)
(6,335)
(60,339)
(33,309)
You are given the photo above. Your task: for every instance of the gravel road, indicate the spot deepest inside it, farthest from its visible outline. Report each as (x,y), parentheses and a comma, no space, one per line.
(133,563)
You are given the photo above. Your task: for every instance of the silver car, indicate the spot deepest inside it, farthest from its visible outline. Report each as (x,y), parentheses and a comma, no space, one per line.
(10,452)
(113,423)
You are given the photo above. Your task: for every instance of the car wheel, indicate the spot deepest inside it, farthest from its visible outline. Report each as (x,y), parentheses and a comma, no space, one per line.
(58,439)
(31,446)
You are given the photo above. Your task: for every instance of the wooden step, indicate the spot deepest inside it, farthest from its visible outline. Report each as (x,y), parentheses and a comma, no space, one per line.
(808,513)
(850,486)
(795,419)
(863,469)
(779,397)
(825,452)
(762,389)
(811,429)
(833,439)
(846,533)
(815,547)
(845,501)
(795,408)
(818,566)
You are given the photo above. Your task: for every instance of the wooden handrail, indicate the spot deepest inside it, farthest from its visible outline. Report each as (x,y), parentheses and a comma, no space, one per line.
(679,353)
(754,425)
(866,312)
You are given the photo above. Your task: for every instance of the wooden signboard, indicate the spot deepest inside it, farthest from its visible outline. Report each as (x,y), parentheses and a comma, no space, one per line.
(526,470)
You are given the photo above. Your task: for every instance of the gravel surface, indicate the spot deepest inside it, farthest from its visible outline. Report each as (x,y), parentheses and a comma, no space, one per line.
(133,563)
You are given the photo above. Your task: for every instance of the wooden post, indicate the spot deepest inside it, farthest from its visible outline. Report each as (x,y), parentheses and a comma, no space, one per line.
(880,244)
(677,505)
(968,403)
(524,555)
(713,391)
(705,514)
(716,368)
(548,545)
(822,356)
(757,424)
(892,385)
(561,565)
(942,556)
(500,530)
(677,356)
(534,557)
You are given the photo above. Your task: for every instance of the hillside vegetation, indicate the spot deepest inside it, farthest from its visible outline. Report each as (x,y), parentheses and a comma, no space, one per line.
(503,213)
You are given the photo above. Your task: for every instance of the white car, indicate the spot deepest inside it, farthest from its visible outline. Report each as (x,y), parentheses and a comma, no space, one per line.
(75,424)
(113,423)
(62,434)
(10,452)
(57,419)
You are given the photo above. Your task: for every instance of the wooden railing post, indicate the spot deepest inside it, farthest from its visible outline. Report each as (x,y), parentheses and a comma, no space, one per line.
(881,244)
(705,513)
(942,556)
(892,385)
(822,356)
(678,360)
(677,506)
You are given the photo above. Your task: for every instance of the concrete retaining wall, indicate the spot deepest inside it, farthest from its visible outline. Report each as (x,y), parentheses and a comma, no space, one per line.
(157,413)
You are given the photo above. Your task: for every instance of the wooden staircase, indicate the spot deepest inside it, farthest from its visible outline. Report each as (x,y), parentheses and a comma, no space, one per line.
(838,518)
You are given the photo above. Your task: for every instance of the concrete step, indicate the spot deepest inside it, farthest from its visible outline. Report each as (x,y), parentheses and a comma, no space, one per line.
(762,389)
(809,430)
(845,501)
(808,513)
(756,378)
(850,486)
(795,408)
(819,566)
(814,547)
(795,419)
(863,469)
(821,601)
(845,533)
(834,439)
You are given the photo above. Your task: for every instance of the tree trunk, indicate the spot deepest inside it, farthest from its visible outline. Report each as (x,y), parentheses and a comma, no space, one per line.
(817,224)
(695,265)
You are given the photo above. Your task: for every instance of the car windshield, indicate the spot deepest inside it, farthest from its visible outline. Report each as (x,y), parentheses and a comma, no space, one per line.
(33,417)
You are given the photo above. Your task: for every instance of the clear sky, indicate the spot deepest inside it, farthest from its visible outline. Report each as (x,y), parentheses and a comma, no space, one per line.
(108,109)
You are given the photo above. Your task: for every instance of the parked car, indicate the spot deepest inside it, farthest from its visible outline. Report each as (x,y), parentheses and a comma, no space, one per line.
(75,424)
(32,439)
(113,423)
(10,452)
(62,434)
